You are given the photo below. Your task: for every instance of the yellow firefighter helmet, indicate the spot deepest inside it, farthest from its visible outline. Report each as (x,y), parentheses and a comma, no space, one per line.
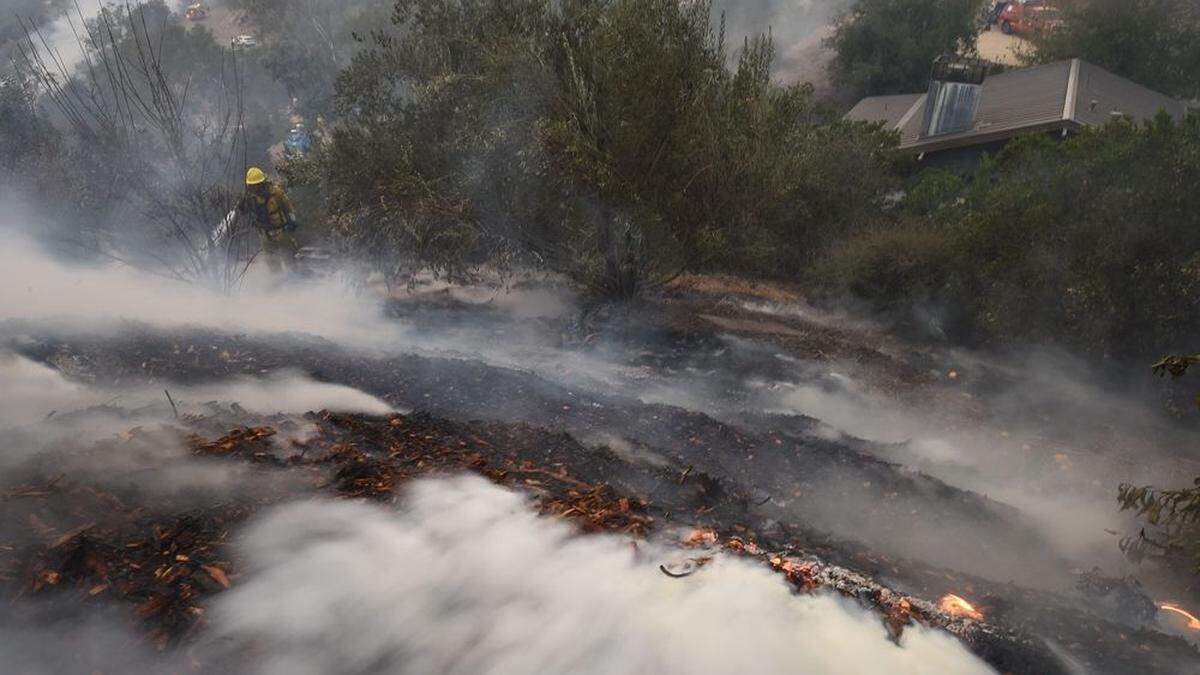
(255,176)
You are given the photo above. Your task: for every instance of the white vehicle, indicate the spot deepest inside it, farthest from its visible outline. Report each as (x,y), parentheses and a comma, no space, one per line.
(243,42)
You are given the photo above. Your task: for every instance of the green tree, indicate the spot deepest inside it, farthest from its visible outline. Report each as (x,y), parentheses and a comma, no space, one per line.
(1171,535)
(1092,243)
(305,44)
(888,46)
(26,135)
(605,139)
(150,160)
(1153,42)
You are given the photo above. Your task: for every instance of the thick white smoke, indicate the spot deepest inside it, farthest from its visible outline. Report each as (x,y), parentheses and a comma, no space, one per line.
(99,298)
(43,414)
(465,578)
(39,288)
(1068,492)
(33,391)
(797,28)
(102,642)
(62,35)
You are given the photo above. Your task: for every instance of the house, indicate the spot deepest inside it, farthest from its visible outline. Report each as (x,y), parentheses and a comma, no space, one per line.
(968,112)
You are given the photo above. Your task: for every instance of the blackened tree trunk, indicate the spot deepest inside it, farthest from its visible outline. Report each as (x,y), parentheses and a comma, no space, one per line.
(618,247)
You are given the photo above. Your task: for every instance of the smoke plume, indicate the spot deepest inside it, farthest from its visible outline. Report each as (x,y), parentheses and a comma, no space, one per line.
(465,578)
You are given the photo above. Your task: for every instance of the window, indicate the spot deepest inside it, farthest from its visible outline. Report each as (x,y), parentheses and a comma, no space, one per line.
(950,107)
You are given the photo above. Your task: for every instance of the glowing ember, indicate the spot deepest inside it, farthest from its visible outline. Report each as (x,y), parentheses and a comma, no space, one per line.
(956,606)
(1193,622)
(700,537)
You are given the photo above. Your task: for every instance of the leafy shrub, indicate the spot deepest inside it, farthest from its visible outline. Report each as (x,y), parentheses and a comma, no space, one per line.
(604,139)
(895,265)
(1092,243)
(142,165)
(1173,520)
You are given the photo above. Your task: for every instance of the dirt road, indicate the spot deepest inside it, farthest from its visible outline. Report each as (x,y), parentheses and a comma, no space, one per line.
(997,47)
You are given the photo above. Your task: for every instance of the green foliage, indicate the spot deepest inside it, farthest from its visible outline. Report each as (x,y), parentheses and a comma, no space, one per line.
(25,132)
(888,46)
(1173,518)
(1175,366)
(1092,243)
(304,45)
(1152,42)
(604,138)
(892,266)
(151,140)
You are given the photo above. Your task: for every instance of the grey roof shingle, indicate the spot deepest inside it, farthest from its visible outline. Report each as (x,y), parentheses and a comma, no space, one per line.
(1099,93)
(1041,98)
(886,109)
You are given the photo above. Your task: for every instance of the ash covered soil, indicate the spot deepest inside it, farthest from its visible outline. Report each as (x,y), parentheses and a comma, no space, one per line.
(679,419)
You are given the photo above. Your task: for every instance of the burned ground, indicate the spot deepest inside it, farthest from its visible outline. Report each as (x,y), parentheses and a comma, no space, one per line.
(826,511)
(98,545)
(772,461)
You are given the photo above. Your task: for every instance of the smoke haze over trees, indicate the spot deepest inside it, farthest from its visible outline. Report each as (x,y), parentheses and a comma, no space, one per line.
(306,44)
(626,141)
(606,139)
(137,151)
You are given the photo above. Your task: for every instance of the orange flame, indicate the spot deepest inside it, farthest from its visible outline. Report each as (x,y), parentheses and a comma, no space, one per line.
(1193,622)
(957,606)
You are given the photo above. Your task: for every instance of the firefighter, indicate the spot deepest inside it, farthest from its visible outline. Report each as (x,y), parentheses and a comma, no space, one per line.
(272,215)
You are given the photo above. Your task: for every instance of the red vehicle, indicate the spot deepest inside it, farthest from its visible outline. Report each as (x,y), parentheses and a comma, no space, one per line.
(196,12)
(1025,17)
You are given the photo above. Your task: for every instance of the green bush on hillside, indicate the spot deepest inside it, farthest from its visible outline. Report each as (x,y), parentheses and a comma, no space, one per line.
(608,140)
(1092,243)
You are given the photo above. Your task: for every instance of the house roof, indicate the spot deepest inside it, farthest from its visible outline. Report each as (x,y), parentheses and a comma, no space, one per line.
(1099,93)
(1061,95)
(887,109)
